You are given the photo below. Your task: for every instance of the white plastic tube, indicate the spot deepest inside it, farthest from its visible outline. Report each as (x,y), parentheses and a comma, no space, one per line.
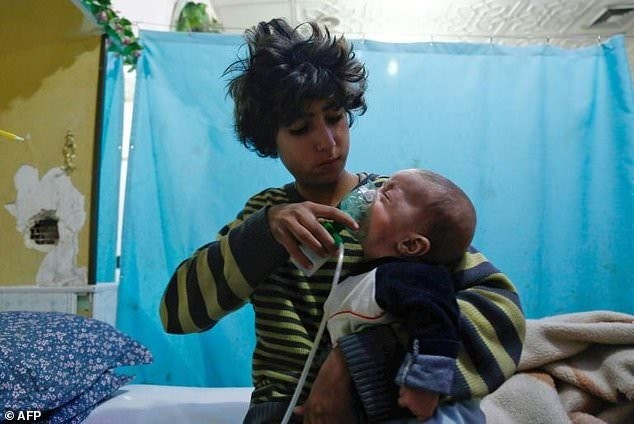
(313,351)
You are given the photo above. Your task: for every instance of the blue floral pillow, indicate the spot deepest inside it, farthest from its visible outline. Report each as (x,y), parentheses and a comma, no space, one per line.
(61,364)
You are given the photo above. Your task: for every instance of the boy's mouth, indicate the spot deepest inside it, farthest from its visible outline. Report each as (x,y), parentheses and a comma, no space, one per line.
(330,160)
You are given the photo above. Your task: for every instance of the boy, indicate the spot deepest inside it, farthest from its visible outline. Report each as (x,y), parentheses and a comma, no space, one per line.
(295,95)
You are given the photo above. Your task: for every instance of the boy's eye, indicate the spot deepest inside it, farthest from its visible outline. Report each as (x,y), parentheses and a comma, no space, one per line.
(333,119)
(298,129)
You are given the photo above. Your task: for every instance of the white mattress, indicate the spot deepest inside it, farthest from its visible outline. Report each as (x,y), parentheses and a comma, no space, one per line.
(154,404)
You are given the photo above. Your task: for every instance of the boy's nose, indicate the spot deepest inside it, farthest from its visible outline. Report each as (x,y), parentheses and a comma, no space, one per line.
(325,138)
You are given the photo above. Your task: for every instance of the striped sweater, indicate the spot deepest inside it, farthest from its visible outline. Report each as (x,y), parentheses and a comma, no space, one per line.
(246,264)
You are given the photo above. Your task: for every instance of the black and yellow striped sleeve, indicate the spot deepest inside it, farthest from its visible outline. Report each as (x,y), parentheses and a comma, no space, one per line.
(220,276)
(492,327)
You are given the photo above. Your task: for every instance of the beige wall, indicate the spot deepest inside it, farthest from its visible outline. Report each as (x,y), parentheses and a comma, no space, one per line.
(49,60)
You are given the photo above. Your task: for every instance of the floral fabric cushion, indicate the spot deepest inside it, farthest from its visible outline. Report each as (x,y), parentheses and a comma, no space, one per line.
(61,364)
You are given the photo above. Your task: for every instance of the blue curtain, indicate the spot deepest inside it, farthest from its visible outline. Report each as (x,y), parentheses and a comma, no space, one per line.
(540,137)
(109,170)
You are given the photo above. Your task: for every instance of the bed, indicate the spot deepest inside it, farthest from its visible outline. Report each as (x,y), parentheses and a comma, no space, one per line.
(156,404)
(65,367)
(574,368)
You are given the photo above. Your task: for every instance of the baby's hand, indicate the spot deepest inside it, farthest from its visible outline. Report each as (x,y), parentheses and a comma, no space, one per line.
(420,402)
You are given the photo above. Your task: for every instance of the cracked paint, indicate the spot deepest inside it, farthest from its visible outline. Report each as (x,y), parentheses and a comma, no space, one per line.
(55,196)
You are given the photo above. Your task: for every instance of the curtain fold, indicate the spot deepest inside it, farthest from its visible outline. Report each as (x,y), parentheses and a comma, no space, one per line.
(541,138)
(110,170)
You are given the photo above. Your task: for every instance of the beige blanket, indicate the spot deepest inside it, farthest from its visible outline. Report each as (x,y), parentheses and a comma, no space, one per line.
(574,368)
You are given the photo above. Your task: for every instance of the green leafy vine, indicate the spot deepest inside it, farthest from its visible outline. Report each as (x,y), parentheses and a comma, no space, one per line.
(120,38)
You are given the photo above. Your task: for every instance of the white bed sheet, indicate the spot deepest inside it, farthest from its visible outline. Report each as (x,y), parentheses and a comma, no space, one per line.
(156,404)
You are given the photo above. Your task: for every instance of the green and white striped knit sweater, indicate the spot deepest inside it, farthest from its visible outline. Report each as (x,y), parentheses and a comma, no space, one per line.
(246,264)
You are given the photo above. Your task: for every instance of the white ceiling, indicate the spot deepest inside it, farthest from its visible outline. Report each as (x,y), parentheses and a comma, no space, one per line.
(562,22)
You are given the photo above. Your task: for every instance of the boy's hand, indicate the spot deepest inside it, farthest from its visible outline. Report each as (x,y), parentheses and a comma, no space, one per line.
(330,399)
(299,223)
(420,402)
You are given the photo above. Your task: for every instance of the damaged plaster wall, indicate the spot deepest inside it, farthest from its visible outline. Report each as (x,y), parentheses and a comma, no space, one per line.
(50,85)
(50,214)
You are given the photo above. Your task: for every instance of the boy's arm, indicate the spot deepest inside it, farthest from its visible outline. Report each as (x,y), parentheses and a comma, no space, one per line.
(221,275)
(492,327)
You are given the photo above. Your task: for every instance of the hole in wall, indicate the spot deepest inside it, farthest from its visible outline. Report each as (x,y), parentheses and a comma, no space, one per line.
(50,213)
(44,230)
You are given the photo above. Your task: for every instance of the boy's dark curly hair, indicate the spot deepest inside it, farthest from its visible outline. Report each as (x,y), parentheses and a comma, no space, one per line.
(284,72)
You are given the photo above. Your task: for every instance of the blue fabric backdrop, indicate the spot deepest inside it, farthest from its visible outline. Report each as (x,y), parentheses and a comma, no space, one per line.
(540,137)
(109,171)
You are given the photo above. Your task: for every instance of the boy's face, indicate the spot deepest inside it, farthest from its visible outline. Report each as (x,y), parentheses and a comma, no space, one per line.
(395,213)
(315,147)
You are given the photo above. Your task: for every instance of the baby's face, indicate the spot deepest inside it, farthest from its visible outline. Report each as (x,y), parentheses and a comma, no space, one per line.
(394,213)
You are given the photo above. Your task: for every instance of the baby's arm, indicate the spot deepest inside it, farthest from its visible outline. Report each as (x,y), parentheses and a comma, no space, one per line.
(423,298)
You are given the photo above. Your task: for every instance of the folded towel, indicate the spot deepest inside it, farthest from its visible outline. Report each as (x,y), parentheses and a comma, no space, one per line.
(575,368)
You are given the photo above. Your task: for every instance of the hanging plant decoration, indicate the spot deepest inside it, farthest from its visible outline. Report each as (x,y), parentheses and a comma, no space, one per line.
(194,17)
(118,30)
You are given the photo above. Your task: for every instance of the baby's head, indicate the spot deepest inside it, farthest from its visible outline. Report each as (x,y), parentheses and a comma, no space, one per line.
(419,215)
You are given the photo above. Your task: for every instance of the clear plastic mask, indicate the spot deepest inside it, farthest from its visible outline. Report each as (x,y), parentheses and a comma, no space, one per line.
(359,201)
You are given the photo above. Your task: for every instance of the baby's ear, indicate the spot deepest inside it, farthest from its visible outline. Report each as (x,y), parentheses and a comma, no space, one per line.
(414,245)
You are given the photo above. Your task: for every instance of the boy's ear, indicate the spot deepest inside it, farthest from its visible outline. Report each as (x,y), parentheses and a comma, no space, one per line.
(414,245)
